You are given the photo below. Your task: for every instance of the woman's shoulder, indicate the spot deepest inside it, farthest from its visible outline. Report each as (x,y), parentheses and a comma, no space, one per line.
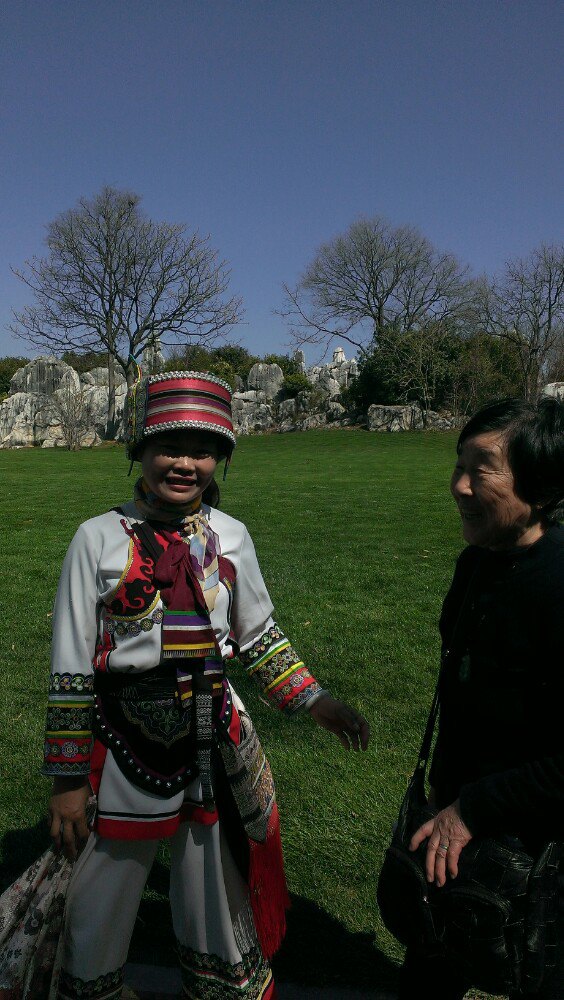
(100,526)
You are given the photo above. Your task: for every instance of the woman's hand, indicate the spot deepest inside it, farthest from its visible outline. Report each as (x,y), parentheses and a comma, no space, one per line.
(67,815)
(447,834)
(350,728)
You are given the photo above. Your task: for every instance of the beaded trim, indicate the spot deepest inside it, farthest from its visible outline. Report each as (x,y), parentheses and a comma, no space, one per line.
(124,626)
(205,376)
(198,424)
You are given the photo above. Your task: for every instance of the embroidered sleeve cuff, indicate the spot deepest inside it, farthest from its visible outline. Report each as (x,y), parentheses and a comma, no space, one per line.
(284,679)
(68,736)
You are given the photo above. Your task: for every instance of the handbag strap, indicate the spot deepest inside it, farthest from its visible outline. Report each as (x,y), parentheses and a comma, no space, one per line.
(458,633)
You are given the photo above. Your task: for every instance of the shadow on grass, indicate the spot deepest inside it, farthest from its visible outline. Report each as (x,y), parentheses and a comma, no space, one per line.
(19,849)
(318,949)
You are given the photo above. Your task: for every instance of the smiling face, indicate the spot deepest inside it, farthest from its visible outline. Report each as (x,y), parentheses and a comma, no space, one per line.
(179,465)
(483,486)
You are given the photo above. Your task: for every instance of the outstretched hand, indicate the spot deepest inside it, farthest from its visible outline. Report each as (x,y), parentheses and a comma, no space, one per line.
(350,728)
(448,834)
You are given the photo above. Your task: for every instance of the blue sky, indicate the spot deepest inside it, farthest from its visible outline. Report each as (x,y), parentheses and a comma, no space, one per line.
(274,125)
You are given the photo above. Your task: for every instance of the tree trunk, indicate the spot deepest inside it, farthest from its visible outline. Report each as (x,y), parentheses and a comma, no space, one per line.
(111,424)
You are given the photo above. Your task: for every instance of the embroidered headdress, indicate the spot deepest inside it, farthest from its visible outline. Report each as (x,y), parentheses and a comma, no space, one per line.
(179,401)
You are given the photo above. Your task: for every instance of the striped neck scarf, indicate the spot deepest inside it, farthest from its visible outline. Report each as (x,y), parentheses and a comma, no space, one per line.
(191,523)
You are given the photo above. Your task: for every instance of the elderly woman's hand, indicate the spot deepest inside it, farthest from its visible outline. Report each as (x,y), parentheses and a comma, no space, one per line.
(350,728)
(447,834)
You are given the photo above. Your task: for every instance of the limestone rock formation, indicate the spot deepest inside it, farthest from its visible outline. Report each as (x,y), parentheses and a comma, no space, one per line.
(43,375)
(266,378)
(18,414)
(335,376)
(31,415)
(405,418)
(100,377)
(35,407)
(252,413)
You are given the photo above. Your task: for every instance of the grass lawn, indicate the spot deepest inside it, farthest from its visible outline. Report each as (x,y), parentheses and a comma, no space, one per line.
(357,536)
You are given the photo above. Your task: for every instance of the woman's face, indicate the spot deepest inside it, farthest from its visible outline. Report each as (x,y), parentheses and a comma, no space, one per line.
(178,465)
(483,486)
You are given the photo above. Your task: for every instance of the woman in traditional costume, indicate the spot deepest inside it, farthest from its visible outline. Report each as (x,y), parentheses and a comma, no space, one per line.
(154,598)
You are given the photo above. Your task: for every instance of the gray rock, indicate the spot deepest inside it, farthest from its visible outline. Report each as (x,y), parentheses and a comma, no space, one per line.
(328,383)
(303,401)
(31,418)
(394,418)
(312,422)
(153,358)
(266,378)
(249,396)
(100,377)
(251,414)
(43,375)
(97,400)
(299,358)
(287,409)
(335,412)
(406,418)
(287,426)
(18,414)
(554,390)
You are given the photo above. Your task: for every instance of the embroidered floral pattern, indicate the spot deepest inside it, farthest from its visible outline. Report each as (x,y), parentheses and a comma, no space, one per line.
(280,672)
(65,756)
(125,628)
(107,987)
(71,683)
(31,913)
(159,720)
(69,718)
(68,737)
(208,977)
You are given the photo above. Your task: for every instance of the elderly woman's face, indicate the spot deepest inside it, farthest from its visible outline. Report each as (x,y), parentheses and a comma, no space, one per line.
(482,484)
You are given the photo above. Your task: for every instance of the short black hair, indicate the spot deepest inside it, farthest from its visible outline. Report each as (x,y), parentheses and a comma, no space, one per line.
(535,448)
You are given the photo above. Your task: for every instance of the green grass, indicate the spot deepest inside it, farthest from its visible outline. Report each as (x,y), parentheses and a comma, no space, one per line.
(356,535)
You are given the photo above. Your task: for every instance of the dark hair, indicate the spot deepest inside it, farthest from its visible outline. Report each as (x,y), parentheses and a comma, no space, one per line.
(211,494)
(534,433)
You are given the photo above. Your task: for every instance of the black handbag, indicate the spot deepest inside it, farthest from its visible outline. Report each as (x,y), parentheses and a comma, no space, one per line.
(497,919)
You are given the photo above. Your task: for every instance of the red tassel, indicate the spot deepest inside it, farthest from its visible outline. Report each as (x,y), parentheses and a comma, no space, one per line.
(268,889)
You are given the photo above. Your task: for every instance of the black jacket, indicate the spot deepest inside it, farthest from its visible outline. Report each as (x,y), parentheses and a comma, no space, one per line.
(500,746)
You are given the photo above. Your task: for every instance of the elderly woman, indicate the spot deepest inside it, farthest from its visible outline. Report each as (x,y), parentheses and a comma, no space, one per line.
(154,599)
(498,765)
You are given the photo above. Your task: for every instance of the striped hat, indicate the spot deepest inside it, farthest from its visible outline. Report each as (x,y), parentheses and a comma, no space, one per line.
(177,401)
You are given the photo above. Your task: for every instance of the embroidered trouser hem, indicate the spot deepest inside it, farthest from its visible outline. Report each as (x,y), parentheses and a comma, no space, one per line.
(211,915)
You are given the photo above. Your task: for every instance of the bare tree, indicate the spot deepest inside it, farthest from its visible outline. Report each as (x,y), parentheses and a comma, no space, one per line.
(372,279)
(525,306)
(419,363)
(70,406)
(115,281)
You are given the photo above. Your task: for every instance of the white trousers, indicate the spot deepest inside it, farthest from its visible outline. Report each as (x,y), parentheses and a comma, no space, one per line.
(211,916)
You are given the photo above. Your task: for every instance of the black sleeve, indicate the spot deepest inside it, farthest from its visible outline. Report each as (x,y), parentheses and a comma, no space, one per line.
(509,799)
(464,570)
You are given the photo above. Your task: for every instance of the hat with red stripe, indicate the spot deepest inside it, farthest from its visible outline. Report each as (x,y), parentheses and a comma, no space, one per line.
(179,401)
